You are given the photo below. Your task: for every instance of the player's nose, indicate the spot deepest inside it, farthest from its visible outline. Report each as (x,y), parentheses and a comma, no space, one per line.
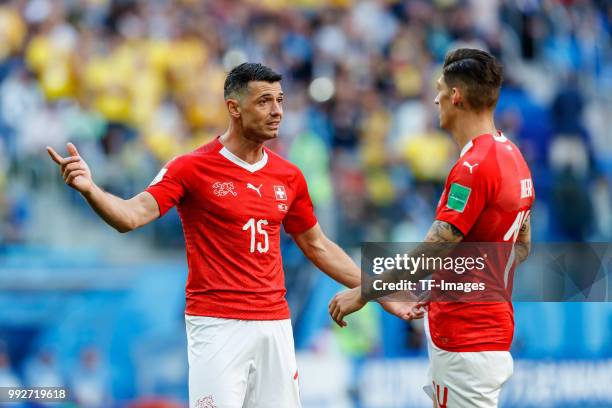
(277,109)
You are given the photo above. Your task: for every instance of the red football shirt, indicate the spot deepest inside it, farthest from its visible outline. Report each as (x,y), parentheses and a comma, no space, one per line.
(487,196)
(232,213)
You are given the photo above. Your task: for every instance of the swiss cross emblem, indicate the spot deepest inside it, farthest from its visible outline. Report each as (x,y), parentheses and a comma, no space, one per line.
(279,193)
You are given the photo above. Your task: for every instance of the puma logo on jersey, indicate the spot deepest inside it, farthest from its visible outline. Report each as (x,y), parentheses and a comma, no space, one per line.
(252,187)
(470,166)
(223,189)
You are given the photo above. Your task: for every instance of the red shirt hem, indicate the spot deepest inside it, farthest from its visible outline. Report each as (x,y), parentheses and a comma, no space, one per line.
(238,315)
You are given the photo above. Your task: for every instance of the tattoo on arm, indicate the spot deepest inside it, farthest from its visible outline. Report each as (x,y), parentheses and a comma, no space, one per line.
(523,242)
(442,231)
(526,226)
(443,234)
(440,240)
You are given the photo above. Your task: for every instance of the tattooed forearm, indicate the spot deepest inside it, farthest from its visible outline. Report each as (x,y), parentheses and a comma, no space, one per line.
(521,252)
(523,242)
(440,240)
(442,231)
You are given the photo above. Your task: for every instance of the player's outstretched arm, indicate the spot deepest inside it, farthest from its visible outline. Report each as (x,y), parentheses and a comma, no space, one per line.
(333,261)
(328,256)
(123,215)
(349,301)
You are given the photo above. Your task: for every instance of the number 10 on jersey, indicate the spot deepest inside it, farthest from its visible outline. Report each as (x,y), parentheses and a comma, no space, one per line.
(257,231)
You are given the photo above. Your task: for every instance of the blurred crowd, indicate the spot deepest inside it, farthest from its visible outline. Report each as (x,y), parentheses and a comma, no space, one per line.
(134,83)
(87,380)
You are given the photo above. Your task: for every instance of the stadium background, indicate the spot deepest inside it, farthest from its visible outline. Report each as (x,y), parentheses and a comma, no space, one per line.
(134,83)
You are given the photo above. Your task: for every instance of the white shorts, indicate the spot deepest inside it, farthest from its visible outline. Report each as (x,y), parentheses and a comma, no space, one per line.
(466,379)
(241,363)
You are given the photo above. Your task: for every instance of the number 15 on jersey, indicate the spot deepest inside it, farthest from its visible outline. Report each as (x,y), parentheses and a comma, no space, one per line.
(257,231)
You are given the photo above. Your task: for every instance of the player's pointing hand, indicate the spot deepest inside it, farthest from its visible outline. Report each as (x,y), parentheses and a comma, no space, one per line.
(73,168)
(345,303)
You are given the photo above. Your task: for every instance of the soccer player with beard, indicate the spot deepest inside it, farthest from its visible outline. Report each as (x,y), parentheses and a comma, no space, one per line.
(487,198)
(233,195)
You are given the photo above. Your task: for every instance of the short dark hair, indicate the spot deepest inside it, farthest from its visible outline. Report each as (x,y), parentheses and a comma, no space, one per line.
(479,72)
(239,77)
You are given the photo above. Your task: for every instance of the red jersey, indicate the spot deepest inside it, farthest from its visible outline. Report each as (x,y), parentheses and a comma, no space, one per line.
(487,196)
(232,213)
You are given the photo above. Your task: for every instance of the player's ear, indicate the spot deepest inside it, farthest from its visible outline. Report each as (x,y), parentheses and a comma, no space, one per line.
(456,97)
(233,107)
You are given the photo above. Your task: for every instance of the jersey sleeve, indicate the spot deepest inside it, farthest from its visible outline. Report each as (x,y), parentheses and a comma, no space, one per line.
(301,216)
(168,187)
(466,196)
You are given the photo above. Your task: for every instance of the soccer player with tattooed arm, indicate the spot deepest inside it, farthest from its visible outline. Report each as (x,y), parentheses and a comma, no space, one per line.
(233,195)
(487,198)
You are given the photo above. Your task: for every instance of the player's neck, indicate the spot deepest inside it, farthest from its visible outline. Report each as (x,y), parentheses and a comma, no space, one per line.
(472,125)
(249,151)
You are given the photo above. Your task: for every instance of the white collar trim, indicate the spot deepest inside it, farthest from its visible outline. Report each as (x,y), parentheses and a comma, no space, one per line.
(498,138)
(245,165)
(467,147)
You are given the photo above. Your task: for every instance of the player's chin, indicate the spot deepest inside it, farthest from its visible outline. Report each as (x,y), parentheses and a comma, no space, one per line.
(270,134)
(262,135)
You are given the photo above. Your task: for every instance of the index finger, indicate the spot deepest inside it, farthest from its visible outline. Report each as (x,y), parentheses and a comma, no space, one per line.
(54,155)
(338,317)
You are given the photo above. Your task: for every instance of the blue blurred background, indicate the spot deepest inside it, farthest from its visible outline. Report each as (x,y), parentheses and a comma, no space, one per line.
(134,83)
